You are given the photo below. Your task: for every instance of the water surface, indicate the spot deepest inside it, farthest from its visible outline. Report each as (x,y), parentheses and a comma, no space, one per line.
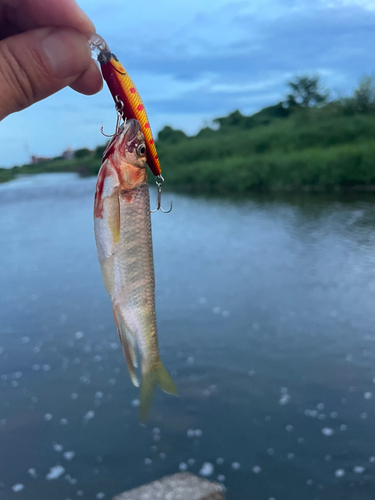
(266,316)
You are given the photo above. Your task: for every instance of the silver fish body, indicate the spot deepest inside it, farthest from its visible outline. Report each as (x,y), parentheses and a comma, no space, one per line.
(122,226)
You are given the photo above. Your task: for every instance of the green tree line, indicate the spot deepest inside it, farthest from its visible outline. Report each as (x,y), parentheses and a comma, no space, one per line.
(309,140)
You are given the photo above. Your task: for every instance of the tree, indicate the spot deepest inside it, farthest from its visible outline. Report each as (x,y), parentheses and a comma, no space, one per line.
(168,134)
(234,119)
(306,92)
(99,150)
(364,95)
(81,153)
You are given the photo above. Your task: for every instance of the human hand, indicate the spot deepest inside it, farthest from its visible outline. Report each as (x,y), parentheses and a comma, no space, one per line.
(43,48)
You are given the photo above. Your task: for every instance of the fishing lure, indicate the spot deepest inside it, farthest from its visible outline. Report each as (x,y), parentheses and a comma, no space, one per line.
(126,96)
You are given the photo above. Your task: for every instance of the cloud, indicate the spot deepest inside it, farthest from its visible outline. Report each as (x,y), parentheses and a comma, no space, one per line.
(365,4)
(241,55)
(195,74)
(238,46)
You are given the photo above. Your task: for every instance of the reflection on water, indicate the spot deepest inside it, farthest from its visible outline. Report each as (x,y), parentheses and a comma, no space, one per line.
(266,321)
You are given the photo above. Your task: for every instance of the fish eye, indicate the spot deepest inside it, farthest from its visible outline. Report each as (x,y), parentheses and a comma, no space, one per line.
(141,150)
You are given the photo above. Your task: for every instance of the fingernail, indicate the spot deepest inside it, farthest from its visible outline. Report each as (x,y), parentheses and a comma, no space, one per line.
(67,52)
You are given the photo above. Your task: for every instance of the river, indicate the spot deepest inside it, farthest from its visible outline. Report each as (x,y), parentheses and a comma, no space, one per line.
(266,319)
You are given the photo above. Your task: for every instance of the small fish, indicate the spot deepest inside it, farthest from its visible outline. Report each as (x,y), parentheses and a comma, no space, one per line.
(122,225)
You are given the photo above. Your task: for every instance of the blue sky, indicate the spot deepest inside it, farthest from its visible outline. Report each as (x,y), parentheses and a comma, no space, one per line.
(196,60)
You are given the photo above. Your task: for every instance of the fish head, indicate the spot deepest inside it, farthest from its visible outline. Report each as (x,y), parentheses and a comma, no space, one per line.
(128,146)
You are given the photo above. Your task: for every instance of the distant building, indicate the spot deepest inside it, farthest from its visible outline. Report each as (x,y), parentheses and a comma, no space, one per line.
(68,154)
(38,159)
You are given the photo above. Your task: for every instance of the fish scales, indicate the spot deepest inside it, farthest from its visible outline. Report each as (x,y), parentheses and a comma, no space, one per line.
(134,268)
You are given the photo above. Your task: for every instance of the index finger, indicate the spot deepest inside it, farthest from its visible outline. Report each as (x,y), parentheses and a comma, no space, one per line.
(30,14)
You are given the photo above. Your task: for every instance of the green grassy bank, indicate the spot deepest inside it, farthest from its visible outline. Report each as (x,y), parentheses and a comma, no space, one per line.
(279,148)
(320,148)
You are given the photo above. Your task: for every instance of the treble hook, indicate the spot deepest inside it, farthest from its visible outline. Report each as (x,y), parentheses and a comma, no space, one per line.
(119,106)
(159,183)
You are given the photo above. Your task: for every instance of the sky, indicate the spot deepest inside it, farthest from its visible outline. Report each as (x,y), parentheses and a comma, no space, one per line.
(195,60)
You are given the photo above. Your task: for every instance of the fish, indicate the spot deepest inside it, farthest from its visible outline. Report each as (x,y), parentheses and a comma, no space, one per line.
(122,227)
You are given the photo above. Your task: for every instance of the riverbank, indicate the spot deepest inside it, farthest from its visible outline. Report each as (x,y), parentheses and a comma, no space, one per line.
(320,149)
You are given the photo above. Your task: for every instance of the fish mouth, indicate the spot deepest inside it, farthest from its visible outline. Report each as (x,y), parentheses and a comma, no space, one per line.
(129,134)
(130,130)
(132,135)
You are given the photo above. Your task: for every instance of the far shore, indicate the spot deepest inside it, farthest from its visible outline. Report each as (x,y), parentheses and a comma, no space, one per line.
(329,148)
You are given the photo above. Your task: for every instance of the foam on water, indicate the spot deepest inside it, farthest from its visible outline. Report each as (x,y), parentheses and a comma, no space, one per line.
(207,469)
(55,472)
(18,487)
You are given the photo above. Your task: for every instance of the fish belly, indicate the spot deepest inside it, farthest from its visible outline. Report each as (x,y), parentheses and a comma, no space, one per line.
(134,281)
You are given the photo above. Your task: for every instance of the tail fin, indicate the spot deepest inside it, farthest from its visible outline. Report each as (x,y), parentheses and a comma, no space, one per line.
(158,376)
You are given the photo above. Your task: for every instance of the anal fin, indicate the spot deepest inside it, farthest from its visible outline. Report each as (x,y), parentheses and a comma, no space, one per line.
(127,343)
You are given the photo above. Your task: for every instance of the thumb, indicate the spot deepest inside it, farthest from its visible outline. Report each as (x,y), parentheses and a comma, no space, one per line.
(38,63)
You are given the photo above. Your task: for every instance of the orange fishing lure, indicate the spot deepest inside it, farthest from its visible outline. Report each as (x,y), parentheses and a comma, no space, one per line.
(128,101)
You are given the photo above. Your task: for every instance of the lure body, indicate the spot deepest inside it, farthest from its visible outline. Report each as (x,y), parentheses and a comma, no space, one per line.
(122,225)
(122,87)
